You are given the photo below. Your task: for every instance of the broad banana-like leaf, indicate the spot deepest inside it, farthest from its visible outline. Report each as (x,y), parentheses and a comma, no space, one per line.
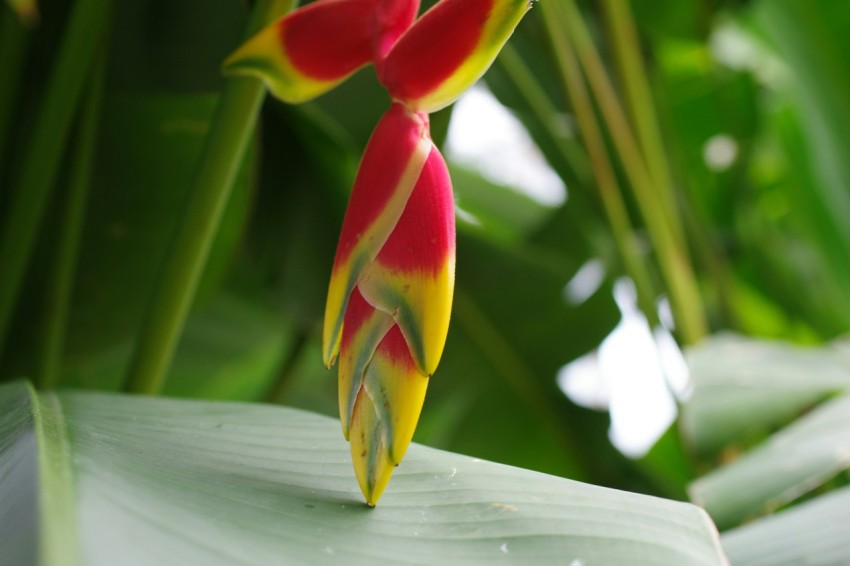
(741,385)
(116,479)
(815,532)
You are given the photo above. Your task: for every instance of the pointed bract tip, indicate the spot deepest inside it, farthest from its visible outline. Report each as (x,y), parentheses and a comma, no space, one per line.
(368,451)
(363,329)
(262,57)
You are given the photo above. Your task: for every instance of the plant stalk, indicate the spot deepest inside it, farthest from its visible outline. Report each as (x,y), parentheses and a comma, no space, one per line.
(37,174)
(63,268)
(287,370)
(544,110)
(223,154)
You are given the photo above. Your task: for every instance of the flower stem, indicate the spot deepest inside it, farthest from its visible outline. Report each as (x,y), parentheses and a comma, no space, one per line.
(287,371)
(226,145)
(34,182)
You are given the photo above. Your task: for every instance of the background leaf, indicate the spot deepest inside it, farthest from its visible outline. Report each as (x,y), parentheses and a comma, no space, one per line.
(814,532)
(743,387)
(793,469)
(795,460)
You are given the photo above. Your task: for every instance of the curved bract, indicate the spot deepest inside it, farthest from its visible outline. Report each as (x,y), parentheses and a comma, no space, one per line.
(413,275)
(390,294)
(364,328)
(448,49)
(385,414)
(391,165)
(310,50)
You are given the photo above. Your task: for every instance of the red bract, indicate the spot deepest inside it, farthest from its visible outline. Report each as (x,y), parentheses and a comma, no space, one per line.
(391,19)
(447,50)
(304,37)
(390,294)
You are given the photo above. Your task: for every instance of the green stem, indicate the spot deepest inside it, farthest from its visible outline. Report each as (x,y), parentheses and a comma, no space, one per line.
(227,143)
(606,180)
(32,186)
(638,97)
(61,280)
(664,227)
(14,43)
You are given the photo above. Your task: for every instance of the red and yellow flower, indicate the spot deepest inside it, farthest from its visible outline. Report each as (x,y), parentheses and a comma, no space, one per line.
(390,294)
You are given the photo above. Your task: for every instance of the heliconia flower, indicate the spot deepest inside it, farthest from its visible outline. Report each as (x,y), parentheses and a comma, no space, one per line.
(386,414)
(395,326)
(390,293)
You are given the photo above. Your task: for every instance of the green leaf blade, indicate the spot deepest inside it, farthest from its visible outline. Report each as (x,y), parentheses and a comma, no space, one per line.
(176,482)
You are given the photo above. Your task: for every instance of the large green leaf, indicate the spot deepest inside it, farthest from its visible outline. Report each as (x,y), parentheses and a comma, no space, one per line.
(741,386)
(149,146)
(492,211)
(135,480)
(816,532)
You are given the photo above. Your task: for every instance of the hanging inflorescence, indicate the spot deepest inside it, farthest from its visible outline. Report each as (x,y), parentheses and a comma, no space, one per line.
(390,294)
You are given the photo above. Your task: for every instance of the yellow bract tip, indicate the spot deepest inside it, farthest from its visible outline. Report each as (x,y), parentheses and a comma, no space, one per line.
(262,57)
(372,465)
